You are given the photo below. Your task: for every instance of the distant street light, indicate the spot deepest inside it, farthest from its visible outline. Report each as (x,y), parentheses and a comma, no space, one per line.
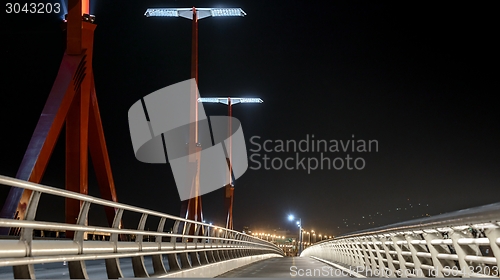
(299,224)
(309,237)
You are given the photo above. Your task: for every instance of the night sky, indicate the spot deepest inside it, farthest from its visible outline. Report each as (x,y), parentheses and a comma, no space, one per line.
(418,77)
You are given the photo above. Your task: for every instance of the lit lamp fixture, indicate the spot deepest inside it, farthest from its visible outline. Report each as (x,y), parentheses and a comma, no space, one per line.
(85,17)
(200,12)
(89,18)
(229,100)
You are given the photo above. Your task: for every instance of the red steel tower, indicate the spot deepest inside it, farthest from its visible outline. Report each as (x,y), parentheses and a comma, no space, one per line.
(72,102)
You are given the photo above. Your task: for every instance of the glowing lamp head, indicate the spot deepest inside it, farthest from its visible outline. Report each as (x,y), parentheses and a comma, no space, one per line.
(229,100)
(200,12)
(88,18)
(291,217)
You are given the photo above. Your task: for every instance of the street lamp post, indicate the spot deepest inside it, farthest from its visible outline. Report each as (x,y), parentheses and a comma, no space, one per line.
(229,188)
(299,224)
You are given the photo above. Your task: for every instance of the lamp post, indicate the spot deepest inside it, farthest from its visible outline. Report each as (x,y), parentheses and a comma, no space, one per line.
(299,224)
(191,208)
(229,188)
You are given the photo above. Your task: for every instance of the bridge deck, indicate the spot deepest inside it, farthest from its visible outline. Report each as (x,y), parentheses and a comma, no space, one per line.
(286,267)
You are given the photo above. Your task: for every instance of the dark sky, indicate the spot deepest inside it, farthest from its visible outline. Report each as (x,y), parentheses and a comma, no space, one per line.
(417,77)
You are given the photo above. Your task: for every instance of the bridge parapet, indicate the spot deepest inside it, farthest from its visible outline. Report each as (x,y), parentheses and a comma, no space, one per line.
(189,244)
(458,244)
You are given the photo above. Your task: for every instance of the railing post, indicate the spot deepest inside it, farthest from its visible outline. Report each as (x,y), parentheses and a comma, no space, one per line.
(401,259)
(389,258)
(158,265)
(173,261)
(331,255)
(138,262)
(113,265)
(244,251)
(372,262)
(334,254)
(463,250)
(352,253)
(239,252)
(359,253)
(365,248)
(230,245)
(77,269)
(435,250)
(195,261)
(203,243)
(343,252)
(414,254)
(219,255)
(494,235)
(28,271)
(185,256)
(216,244)
(225,251)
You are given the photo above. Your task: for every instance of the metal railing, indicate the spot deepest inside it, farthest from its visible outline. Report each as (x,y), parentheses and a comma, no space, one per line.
(459,244)
(189,244)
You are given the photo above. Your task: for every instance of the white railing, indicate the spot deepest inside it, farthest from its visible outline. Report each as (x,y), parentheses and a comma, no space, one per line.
(458,244)
(188,244)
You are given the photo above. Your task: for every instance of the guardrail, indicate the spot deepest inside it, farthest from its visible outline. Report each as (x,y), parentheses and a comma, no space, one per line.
(459,244)
(189,244)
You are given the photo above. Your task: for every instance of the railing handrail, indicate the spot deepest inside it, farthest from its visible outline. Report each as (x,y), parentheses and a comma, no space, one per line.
(14,182)
(73,227)
(462,243)
(194,242)
(473,215)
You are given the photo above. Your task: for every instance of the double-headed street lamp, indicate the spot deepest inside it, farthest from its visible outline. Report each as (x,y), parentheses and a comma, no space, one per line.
(229,188)
(191,208)
(299,224)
